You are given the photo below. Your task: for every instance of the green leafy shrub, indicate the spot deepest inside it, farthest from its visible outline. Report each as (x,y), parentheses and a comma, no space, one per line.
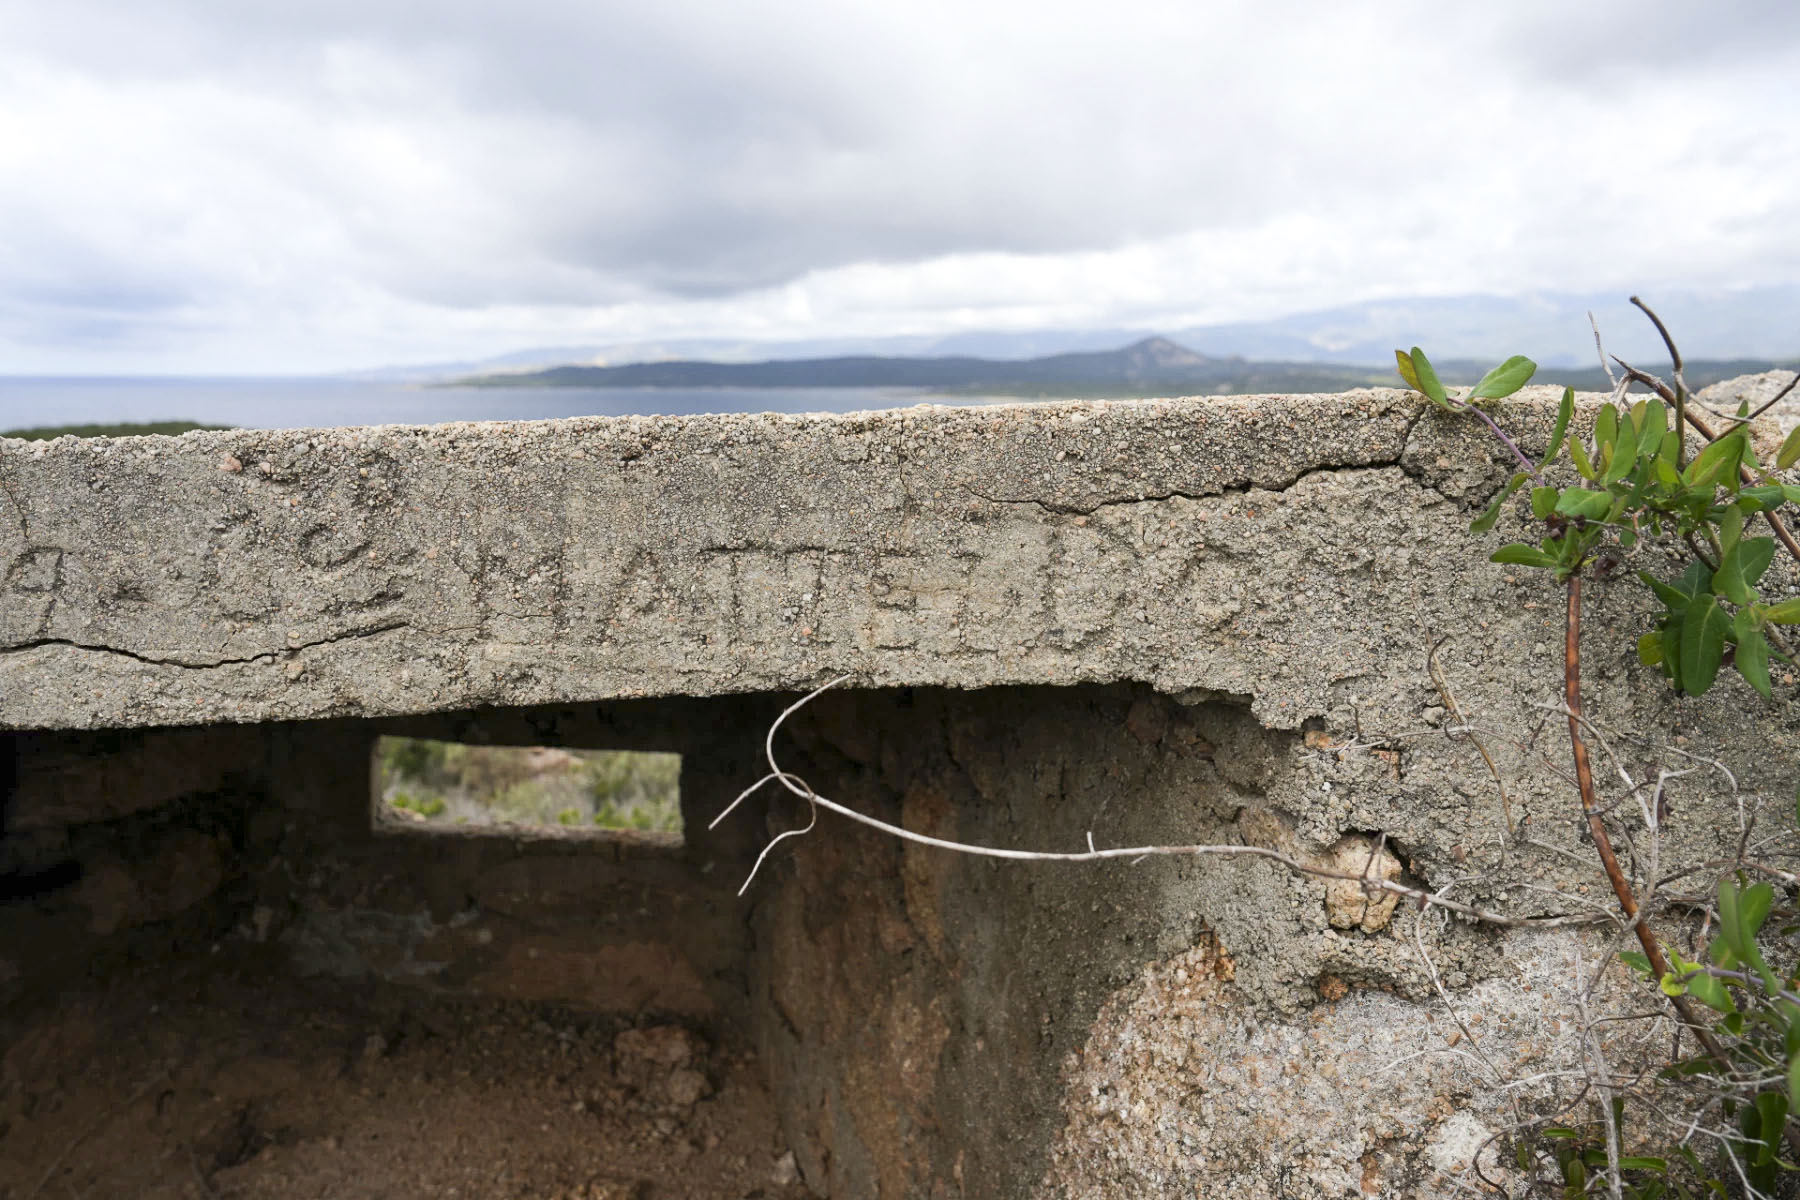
(528,785)
(425,806)
(1635,484)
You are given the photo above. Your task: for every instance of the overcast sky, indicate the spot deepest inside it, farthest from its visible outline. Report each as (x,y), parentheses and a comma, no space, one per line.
(321,184)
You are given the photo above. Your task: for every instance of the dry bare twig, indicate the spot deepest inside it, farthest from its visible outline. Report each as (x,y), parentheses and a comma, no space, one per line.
(1371,886)
(1449,698)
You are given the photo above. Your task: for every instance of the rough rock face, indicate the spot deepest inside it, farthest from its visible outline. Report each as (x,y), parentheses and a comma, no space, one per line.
(1774,389)
(1183,1089)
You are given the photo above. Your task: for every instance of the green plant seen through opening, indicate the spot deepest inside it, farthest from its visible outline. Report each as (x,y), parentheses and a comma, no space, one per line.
(452,783)
(1636,484)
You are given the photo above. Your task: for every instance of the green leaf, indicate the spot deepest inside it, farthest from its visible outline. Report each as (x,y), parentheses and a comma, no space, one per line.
(1650,648)
(1671,594)
(1504,379)
(1757,554)
(1543,501)
(1772,1107)
(1671,631)
(1752,658)
(1636,960)
(1643,1162)
(1729,580)
(1624,454)
(1712,993)
(1565,412)
(1730,926)
(1606,428)
(1428,380)
(1672,985)
(1519,554)
(1486,520)
(1787,457)
(1794,1082)
(1703,629)
(1766,498)
(1717,462)
(1652,421)
(1583,463)
(1731,528)
(1785,613)
(1689,1067)
(1754,905)
(1406,370)
(1585,502)
(1734,925)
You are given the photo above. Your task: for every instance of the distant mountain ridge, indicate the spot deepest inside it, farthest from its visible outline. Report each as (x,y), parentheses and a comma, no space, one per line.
(1149,362)
(1752,324)
(1152,366)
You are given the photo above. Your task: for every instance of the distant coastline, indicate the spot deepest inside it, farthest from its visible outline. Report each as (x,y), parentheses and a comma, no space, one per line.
(1152,367)
(48,404)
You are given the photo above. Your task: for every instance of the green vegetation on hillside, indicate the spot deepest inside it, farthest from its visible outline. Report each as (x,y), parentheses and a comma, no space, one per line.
(453,783)
(1152,368)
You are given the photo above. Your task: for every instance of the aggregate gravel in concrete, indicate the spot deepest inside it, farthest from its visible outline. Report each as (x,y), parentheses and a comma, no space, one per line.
(1266,546)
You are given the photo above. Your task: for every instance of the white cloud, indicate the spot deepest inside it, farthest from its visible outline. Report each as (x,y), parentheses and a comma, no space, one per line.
(293,186)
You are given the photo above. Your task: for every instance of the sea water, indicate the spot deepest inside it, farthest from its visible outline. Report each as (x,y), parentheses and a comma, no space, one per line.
(266,403)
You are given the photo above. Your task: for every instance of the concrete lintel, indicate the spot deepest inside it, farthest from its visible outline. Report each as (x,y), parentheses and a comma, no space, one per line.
(1260,546)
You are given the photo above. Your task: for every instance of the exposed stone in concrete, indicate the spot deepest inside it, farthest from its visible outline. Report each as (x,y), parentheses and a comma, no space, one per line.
(1348,904)
(1183,1090)
(1768,430)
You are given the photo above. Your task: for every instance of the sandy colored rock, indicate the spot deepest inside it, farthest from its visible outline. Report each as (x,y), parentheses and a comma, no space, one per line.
(1348,903)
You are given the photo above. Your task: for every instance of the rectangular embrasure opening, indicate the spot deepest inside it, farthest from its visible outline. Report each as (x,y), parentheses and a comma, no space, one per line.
(432,785)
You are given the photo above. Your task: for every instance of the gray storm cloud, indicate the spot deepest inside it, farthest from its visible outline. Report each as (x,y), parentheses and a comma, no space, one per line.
(363,178)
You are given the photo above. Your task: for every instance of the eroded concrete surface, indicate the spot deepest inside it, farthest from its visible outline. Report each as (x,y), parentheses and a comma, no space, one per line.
(1181,621)
(1270,547)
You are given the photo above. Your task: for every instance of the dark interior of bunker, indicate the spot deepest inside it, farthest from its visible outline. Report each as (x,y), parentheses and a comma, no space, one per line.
(227,973)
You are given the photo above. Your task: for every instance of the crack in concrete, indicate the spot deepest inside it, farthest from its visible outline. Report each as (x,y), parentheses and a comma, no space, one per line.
(24,521)
(1236,489)
(263,656)
(1398,459)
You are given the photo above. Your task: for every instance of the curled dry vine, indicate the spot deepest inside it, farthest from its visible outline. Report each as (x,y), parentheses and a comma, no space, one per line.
(1373,885)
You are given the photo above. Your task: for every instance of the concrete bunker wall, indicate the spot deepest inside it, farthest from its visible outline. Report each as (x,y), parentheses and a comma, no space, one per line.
(913,1011)
(1173,622)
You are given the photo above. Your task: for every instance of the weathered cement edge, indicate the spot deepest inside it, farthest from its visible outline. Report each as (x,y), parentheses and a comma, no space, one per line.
(599,558)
